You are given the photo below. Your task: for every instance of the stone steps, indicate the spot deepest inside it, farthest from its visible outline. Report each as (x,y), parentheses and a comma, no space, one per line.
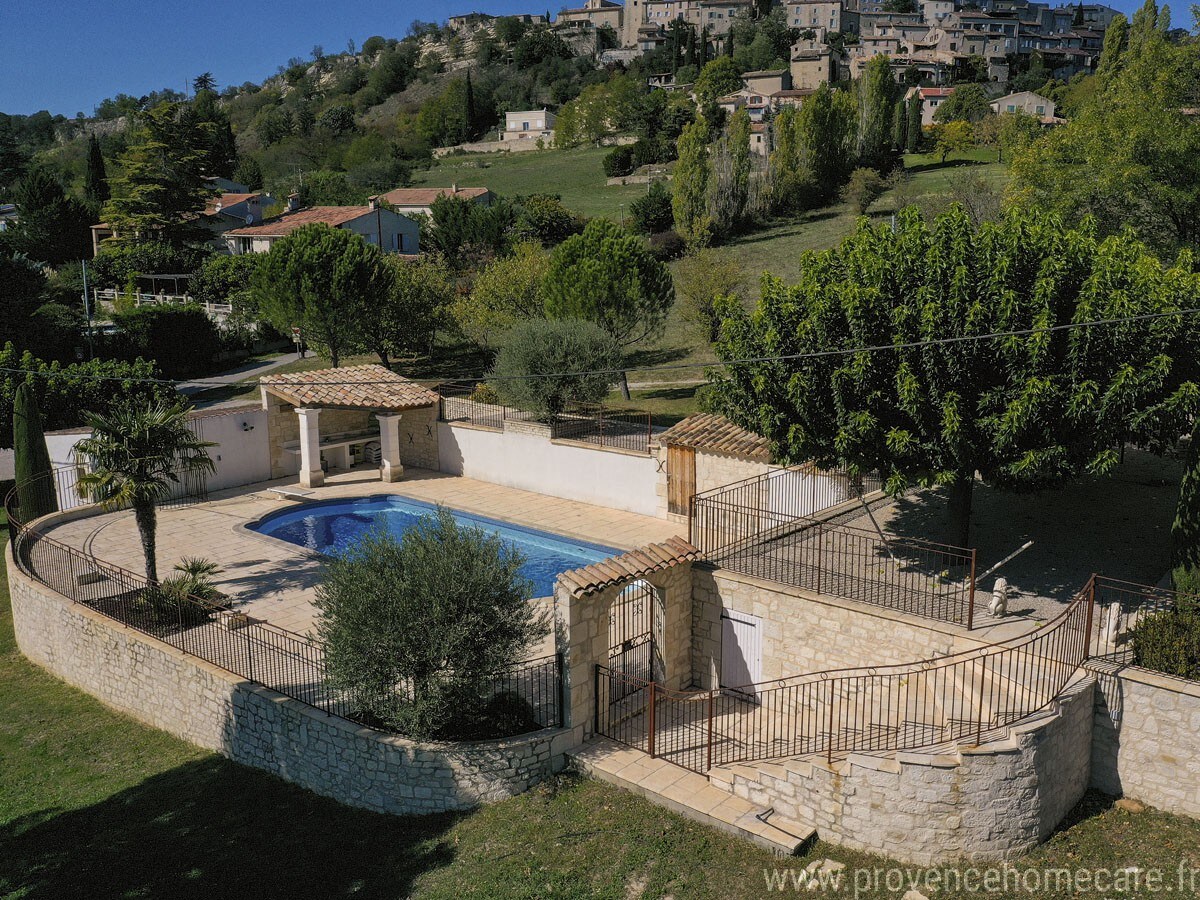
(691,795)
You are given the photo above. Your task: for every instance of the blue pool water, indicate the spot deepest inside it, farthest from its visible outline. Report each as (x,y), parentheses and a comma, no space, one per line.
(333,526)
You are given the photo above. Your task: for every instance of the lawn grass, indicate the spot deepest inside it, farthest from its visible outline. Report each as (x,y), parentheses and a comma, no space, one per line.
(96,805)
(575,175)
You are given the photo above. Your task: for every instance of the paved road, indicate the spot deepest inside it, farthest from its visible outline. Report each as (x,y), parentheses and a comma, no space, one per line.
(251,370)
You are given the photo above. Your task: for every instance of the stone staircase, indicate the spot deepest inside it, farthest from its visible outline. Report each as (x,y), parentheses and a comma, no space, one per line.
(691,795)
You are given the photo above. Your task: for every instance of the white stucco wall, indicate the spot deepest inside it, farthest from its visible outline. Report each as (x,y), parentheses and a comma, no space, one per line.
(241,456)
(532,462)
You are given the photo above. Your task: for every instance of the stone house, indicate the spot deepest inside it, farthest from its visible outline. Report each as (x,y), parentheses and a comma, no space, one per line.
(390,231)
(529,125)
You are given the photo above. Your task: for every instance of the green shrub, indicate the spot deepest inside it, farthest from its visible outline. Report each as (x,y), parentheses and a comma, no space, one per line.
(619,161)
(182,339)
(484,393)
(414,629)
(651,213)
(64,392)
(667,245)
(116,263)
(1169,642)
(1185,530)
(534,366)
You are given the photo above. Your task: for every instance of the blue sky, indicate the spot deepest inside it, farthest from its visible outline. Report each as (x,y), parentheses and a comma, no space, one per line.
(67,55)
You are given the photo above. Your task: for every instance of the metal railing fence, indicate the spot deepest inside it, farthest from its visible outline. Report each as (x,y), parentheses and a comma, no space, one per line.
(286,662)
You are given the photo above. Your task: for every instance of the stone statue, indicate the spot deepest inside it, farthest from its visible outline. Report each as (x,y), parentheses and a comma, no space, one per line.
(999,605)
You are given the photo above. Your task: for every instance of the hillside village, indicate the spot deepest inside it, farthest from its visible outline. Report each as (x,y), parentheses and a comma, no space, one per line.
(672,448)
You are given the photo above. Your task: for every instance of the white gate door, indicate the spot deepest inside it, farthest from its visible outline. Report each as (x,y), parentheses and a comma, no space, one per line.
(741,649)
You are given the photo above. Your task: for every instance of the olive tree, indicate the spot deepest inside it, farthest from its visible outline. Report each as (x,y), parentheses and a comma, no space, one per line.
(414,629)
(941,402)
(545,364)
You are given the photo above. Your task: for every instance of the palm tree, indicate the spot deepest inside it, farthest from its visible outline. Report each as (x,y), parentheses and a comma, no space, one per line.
(137,452)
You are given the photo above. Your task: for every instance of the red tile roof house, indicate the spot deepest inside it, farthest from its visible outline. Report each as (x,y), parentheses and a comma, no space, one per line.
(388,230)
(410,201)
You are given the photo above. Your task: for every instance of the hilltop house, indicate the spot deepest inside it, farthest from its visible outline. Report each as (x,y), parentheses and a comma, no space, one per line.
(1027,102)
(411,201)
(528,125)
(387,230)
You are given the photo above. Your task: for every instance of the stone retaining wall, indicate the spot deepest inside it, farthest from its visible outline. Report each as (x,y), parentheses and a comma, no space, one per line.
(1147,738)
(978,803)
(250,724)
(806,632)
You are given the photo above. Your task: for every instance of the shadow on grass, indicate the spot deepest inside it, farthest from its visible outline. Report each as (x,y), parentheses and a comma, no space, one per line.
(935,165)
(213,828)
(655,356)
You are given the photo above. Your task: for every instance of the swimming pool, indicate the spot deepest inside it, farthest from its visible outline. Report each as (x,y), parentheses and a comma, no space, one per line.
(330,526)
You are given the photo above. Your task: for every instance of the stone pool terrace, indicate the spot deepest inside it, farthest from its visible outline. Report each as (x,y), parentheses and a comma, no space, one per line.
(275,581)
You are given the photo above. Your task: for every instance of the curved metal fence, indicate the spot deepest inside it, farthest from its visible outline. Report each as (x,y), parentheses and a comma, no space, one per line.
(967,696)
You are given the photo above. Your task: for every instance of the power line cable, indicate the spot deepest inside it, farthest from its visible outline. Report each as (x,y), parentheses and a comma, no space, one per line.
(672,367)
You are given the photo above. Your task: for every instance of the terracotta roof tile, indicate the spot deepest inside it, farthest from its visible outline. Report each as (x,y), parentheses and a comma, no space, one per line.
(353,387)
(716,434)
(289,222)
(629,566)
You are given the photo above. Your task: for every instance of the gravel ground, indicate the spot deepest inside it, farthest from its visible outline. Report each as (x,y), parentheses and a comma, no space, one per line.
(1118,526)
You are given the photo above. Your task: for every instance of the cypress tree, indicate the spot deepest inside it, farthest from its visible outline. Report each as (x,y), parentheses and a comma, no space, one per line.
(729,43)
(912,135)
(691,48)
(900,126)
(35,489)
(703,46)
(96,180)
(470,108)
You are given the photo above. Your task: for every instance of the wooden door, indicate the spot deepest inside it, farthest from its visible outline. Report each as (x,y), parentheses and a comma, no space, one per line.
(681,479)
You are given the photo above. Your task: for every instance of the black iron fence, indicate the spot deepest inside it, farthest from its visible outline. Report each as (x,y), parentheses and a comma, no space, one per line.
(768,527)
(604,426)
(968,697)
(289,663)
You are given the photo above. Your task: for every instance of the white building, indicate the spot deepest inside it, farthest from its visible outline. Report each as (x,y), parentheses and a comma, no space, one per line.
(528,125)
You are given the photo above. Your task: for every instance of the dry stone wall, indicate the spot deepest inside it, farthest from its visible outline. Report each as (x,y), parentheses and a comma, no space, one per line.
(1147,738)
(978,803)
(248,723)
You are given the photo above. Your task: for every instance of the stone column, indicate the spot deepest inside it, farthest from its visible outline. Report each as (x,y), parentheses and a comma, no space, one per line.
(311,474)
(583,632)
(390,467)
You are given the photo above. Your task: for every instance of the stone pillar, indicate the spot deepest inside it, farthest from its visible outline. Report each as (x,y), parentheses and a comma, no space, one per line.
(390,467)
(583,630)
(311,474)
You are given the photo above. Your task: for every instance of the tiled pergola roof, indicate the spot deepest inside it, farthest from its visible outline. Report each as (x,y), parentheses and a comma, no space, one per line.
(353,387)
(629,566)
(716,434)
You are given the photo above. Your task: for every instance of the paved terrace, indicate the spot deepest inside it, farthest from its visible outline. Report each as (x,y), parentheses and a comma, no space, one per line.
(275,581)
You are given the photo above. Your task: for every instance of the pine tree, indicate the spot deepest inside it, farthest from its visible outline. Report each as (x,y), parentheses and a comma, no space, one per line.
(35,490)
(161,188)
(95,185)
